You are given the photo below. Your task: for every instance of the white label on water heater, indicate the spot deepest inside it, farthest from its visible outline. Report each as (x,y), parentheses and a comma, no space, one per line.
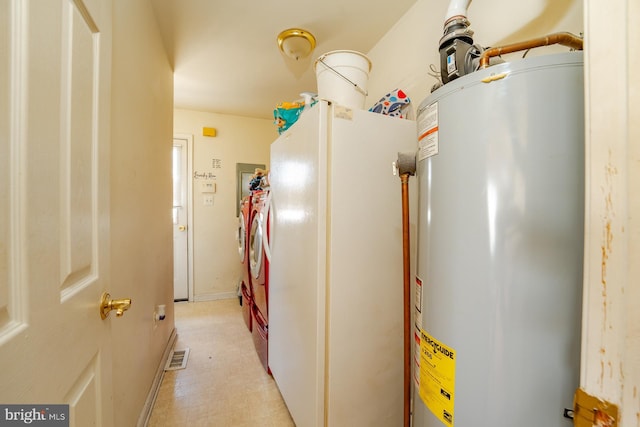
(428,132)
(451,63)
(418,304)
(416,357)
(418,294)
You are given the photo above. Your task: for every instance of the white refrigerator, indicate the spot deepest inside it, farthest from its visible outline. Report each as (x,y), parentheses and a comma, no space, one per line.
(336,279)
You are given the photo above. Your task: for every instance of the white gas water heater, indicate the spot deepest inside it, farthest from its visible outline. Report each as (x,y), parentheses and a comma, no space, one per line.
(498,285)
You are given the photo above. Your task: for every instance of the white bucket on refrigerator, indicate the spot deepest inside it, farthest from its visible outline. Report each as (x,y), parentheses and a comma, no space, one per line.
(342,77)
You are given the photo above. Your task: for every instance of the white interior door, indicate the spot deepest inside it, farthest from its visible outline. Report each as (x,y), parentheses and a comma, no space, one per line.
(180,220)
(54,206)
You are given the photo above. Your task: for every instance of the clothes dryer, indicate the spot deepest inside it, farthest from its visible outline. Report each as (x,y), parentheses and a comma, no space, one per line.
(259,256)
(243,251)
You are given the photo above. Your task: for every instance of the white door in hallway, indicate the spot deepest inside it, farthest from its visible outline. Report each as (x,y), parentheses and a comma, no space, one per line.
(180,220)
(54,206)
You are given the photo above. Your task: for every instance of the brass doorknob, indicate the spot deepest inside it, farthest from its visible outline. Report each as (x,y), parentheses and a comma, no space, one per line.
(182,227)
(107,304)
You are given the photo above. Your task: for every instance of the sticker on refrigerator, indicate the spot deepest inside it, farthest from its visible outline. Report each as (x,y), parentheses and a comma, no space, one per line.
(428,132)
(341,112)
(437,377)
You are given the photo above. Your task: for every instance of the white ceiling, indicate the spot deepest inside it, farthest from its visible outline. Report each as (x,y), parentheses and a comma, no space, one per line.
(226,56)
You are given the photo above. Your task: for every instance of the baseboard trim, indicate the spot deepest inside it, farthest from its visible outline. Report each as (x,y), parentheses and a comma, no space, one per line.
(143,420)
(214,297)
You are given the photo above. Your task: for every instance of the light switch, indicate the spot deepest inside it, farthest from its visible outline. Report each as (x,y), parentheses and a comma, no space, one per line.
(207,199)
(208,187)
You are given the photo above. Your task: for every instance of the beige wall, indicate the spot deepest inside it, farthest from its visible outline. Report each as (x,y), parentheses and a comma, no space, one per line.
(403,56)
(239,140)
(141,232)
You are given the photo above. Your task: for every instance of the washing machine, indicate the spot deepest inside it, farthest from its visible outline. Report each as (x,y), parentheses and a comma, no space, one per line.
(259,272)
(243,251)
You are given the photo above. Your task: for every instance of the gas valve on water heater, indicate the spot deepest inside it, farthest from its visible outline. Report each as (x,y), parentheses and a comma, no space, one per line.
(458,54)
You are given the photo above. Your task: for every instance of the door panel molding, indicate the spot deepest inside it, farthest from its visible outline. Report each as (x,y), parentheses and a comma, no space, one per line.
(13,304)
(86,394)
(78,162)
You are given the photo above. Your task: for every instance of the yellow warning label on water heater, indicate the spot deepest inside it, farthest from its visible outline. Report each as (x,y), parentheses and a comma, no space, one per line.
(437,377)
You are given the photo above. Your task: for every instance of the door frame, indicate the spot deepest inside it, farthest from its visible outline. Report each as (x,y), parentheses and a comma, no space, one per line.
(189,139)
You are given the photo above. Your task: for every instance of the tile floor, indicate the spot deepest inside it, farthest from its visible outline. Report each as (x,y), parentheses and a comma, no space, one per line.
(224,384)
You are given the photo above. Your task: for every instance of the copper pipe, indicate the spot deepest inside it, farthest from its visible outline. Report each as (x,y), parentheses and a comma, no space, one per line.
(406,258)
(565,39)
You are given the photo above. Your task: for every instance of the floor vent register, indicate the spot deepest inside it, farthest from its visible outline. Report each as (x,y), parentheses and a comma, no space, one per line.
(178,360)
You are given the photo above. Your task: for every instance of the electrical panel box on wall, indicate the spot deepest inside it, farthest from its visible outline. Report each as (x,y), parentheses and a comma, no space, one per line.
(209,132)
